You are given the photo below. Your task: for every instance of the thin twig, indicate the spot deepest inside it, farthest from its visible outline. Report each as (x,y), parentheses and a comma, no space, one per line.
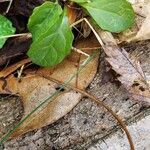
(20,72)
(99,103)
(94,31)
(16,35)
(80,52)
(9,5)
(1,1)
(92,48)
(79,31)
(93,98)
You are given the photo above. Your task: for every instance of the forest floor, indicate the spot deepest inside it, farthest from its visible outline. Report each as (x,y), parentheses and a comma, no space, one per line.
(90,127)
(86,126)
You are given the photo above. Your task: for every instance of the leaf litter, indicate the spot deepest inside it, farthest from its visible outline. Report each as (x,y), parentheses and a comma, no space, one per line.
(140,31)
(128,67)
(63,103)
(131,73)
(34,88)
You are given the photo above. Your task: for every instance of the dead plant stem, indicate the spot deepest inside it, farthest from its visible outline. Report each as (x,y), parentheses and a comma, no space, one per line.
(99,103)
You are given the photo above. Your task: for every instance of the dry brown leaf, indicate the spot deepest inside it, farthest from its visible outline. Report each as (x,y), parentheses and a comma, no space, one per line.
(128,67)
(139,7)
(72,13)
(9,70)
(34,89)
(141,29)
(144,32)
(130,33)
(14,49)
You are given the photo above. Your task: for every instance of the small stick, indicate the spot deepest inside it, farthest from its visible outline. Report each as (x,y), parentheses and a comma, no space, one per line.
(8,8)
(94,31)
(16,35)
(79,31)
(85,48)
(7,71)
(4,1)
(99,103)
(80,52)
(20,72)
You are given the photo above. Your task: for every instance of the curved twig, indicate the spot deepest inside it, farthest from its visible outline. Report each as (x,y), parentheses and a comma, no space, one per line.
(99,103)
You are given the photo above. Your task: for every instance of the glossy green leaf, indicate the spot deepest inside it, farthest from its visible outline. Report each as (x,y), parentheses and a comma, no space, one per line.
(43,18)
(6,28)
(54,45)
(111,15)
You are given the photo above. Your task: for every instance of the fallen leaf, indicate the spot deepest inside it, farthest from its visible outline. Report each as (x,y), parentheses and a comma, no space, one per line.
(33,88)
(139,7)
(140,31)
(128,67)
(144,32)
(72,13)
(14,49)
(12,68)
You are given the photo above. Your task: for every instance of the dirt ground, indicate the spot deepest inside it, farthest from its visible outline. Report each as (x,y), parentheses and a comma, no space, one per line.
(87,125)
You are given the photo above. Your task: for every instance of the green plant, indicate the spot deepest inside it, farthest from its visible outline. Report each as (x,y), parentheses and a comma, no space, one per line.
(53,38)
(6,28)
(52,35)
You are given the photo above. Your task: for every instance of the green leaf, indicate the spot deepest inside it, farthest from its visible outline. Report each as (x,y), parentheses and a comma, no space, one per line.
(53,45)
(6,28)
(80,1)
(43,18)
(111,15)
